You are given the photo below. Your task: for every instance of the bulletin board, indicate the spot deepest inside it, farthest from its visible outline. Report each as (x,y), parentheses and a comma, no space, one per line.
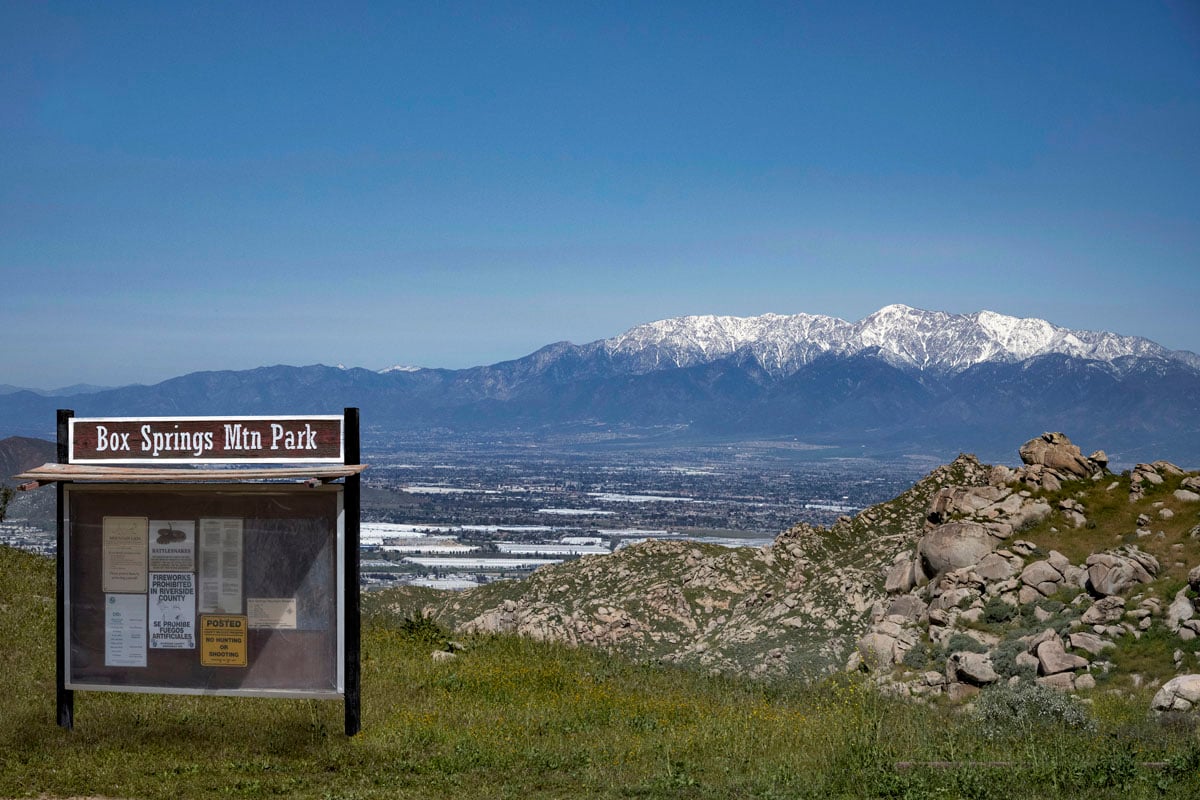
(205,589)
(177,577)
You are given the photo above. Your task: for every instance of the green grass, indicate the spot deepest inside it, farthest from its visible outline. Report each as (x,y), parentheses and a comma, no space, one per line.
(1112,522)
(517,718)
(1150,655)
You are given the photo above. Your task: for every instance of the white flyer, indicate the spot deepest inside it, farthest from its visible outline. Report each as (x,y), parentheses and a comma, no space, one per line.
(221,565)
(172,611)
(125,630)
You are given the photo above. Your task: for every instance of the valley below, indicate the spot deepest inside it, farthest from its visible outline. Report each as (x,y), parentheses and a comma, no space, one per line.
(459,512)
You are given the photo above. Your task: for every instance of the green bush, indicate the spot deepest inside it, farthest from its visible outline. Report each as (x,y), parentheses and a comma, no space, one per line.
(996,610)
(421,628)
(961,642)
(1007,711)
(1004,660)
(919,656)
(1051,605)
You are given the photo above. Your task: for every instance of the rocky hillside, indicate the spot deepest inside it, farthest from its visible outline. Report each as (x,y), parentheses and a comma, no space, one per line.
(1057,571)
(797,605)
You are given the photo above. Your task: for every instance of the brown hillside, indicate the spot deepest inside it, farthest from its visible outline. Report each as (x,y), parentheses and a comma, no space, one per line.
(19,453)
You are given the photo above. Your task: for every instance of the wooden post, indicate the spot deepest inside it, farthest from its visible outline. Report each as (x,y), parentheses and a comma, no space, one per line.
(353,621)
(66,697)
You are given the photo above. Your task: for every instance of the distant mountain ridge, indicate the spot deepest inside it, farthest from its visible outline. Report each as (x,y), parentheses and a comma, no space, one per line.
(901,380)
(65,391)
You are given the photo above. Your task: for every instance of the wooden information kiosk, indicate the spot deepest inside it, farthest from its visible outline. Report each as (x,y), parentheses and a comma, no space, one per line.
(191,579)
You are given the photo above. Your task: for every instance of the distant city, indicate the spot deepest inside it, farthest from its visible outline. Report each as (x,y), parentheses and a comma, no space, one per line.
(463,514)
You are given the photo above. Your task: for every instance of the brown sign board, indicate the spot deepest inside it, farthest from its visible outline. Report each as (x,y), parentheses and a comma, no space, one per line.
(206,440)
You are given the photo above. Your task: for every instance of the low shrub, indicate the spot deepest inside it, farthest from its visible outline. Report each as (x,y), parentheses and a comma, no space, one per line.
(961,642)
(1051,604)
(424,629)
(918,656)
(1004,660)
(1017,710)
(996,610)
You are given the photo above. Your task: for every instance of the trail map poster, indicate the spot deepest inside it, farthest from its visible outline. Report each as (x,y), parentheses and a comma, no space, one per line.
(221,565)
(124,553)
(172,611)
(172,546)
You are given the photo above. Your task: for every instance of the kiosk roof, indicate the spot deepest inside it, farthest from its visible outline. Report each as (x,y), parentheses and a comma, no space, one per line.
(52,473)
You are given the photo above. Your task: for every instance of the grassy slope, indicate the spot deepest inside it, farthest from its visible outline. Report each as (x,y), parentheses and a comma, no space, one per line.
(517,718)
(1113,523)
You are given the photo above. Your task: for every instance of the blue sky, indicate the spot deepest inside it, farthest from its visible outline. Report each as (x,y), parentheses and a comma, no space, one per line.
(229,185)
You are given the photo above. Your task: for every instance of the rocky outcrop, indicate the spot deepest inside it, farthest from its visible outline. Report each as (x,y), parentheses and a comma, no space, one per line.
(1104,610)
(1042,577)
(1089,642)
(954,545)
(957,501)
(1055,452)
(1114,572)
(1053,658)
(1181,693)
(973,668)
(965,526)
(1180,610)
(1141,476)
(970,571)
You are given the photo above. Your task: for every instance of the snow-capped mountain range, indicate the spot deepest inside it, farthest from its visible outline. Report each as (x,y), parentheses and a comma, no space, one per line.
(901,335)
(905,337)
(900,380)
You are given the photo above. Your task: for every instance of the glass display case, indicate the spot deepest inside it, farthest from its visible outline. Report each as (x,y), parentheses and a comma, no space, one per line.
(205,589)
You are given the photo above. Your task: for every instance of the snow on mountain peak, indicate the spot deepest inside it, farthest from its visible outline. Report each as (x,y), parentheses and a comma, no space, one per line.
(902,335)
(775,340)
(896,310)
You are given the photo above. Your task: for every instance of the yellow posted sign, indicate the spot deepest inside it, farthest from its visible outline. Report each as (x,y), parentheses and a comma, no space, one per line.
(223,640)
